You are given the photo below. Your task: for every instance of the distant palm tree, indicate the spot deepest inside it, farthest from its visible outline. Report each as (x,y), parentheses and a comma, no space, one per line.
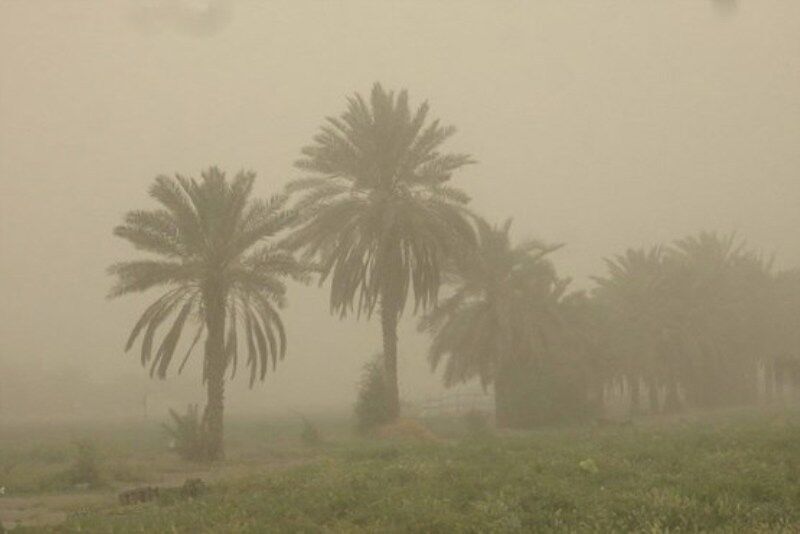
(502,313)
(687,316)
(378,216)
(781,360)
(724,287)
(208,237)
(638,297)
(585,346)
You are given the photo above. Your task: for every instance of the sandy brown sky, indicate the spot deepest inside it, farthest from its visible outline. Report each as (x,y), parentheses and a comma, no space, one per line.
(599,124)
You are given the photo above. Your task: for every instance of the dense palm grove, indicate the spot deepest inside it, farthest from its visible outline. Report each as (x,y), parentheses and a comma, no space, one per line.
(704,321)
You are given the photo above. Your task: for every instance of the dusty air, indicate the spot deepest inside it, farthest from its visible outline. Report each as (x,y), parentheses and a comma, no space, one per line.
(399,266)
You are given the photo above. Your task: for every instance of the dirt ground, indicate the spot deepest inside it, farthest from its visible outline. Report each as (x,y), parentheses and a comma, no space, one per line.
(52,509)
(39,510)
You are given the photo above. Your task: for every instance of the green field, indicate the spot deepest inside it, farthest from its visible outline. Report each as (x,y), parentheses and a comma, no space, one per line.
(727,472)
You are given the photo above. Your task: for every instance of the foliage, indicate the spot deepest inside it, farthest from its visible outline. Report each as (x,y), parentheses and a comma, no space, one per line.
(217,272)
(695,323)
(546,393)
(501,316)
(208,232)
(85,468)
(501,310)
(40,458)
(310,434)
(731,477)
(372,407)
(192,488)
(377,194)
(589,465)
(186,433)
(638,299)
(377,214)
(697,320)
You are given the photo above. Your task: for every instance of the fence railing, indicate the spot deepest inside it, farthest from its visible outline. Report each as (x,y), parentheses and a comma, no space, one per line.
(451,404)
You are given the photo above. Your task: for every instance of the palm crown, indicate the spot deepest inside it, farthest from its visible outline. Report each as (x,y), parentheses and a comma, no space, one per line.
(502,310)
(208,234)
(637,293)
(377,211)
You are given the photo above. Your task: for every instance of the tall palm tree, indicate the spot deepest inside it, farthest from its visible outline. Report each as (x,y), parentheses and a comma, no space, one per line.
(500,315)
(378,216)
(210,257)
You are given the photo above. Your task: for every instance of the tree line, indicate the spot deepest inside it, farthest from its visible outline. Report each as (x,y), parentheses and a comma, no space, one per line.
(375,218)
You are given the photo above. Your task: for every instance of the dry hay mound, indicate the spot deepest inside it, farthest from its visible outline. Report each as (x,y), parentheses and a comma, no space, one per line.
(407,430)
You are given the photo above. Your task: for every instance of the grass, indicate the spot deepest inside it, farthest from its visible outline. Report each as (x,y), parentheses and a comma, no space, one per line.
(724,474)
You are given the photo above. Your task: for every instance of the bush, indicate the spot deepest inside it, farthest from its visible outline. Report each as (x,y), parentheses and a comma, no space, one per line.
(310,435)
(85,469)
(372,407)
(187,433)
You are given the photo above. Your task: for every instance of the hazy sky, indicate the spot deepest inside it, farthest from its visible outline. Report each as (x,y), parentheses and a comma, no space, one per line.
(602,125)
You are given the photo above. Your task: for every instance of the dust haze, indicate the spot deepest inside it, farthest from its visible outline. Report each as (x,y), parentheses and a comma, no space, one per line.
(445,266)
(602,126)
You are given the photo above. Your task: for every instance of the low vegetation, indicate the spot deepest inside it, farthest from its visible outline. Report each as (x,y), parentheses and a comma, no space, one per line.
(727,473)
(372,408)
(85,469)
(310,435)
(186,433)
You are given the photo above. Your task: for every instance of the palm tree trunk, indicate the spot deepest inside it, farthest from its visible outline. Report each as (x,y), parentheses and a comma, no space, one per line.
(389,318)
(672,402)
(215,373)
(652,393)
(634,390)
(769,381)
(502,402)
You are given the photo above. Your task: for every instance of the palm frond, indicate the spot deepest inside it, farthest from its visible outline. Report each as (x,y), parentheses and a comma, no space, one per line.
(137,276)
(208,233)
(166,350)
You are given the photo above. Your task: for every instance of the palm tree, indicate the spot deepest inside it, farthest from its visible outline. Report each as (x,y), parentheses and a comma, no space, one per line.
(500,315)
(378,216)
(691,315)
(724,288)
(585,346)
(781,361)
(636,295)
(211,260)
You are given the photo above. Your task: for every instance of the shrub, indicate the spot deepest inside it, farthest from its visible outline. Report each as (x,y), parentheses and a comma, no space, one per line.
(85,469)
(187,433)
(372,407)
(310,435)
